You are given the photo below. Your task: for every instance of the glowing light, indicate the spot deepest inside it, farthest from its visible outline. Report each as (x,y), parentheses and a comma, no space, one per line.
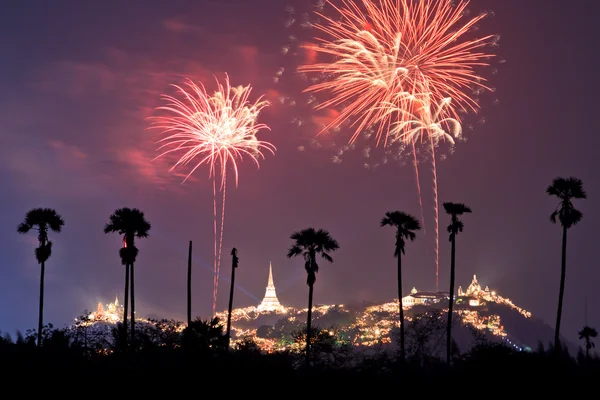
(427,121)
(216,130)
(388,47)
(373,325)
(379,51)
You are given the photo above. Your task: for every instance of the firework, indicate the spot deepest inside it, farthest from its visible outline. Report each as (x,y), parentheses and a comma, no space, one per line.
(389,47)
(426,123)
(383,55)
(216,130)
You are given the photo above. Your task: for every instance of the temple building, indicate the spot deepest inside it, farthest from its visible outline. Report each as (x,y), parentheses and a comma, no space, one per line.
(416,298)
(113,312)
(475,294)
(270,303)
(474,289)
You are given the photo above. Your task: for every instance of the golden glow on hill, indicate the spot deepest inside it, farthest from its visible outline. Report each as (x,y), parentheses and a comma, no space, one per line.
(369,326)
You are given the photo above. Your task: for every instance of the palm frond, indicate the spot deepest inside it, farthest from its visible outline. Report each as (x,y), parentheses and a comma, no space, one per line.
(294,251)
(571,188)
(42,218)
(128,254)
(43,253)
(310,242)
(23,228)
(456,208)
(405,225)
(130,222)
(566,189)
(553,216)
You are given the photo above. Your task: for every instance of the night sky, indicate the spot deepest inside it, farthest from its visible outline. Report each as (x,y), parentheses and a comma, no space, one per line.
(80,78)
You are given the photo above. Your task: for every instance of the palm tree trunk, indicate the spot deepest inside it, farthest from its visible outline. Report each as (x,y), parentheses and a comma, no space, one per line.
(308,323)
(125,308)
(230,305)
(450,303)
(402,353)
(132,311)
(563,271)
(41,315)
(189,286)
(587,348)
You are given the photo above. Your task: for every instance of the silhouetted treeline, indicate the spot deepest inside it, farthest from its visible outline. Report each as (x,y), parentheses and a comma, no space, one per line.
(166,352)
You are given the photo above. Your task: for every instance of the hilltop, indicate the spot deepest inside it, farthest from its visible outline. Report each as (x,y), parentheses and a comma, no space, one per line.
(481,314)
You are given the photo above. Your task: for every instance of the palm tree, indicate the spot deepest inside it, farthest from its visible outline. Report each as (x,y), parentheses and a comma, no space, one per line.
(587,333)
(234,265)
(456,226)
(203,336)
(42,219)
(311,242)
(131,223)
(566,189)
(405,225)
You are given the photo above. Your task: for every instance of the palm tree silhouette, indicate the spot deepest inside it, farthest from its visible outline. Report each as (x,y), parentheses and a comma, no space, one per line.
(311,242)
(456,226)
(131,223)
(42,219)
(234,265)
(204,335)
(405,225)
(587,333)
(566,189)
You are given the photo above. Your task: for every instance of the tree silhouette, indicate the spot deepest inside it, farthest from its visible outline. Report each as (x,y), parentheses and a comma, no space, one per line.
(204,335)
(456,226)
(566,189)
(405,225)
(234,265)
(310,243)
(587,333)
(42,219)
(132,224)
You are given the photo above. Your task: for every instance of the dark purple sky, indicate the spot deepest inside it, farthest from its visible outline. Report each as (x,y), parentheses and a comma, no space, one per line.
(78,81)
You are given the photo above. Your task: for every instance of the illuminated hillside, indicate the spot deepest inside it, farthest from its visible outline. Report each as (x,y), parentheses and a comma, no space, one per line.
(480,313)
(374,324)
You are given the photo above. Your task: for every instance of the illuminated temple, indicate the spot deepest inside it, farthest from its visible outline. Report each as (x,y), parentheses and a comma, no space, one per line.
(416,298)
(112,313)
(270,302)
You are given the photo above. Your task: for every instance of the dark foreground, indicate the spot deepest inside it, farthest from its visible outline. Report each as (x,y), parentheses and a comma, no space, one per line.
(486,370)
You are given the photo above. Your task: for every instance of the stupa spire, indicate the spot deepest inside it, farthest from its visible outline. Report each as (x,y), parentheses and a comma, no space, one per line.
(270,282)
(270,301)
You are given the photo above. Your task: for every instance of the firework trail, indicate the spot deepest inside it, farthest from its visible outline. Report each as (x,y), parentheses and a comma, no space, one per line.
(436,210)
(426,122)
(387,52)
(418,182)
(216,130)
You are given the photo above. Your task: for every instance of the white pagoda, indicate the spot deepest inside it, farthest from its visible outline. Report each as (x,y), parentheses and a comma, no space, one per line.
(270,302)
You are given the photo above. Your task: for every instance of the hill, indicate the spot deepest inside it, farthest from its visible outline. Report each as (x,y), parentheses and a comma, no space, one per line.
(480,314)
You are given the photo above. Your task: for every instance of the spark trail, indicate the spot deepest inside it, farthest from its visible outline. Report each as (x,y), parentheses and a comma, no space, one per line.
(418,181)
(215,129)
(426,121)
(378,56)
(436,209)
